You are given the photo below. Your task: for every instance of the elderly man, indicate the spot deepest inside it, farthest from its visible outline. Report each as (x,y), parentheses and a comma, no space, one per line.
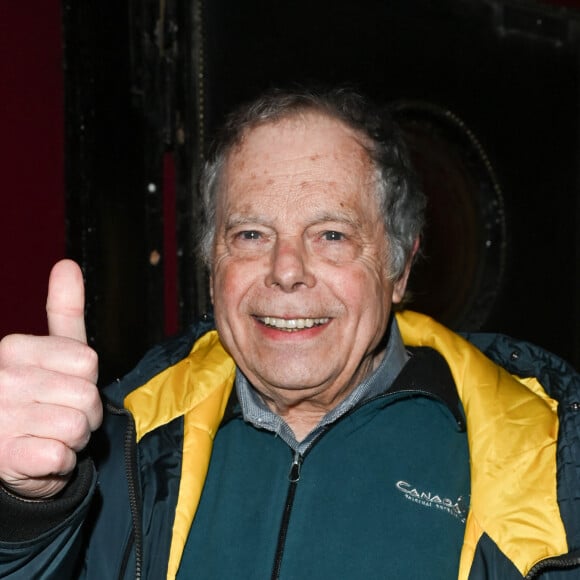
(314,435)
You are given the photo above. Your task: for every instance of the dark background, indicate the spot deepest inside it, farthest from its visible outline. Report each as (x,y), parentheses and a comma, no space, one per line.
(103,154)
(32,233)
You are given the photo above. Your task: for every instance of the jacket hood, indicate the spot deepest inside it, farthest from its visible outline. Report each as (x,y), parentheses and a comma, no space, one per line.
(512,428)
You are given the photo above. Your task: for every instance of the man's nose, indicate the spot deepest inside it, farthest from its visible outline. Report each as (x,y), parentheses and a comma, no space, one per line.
(290,265)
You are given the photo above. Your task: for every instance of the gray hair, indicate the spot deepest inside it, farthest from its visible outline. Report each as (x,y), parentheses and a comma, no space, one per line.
(401,201)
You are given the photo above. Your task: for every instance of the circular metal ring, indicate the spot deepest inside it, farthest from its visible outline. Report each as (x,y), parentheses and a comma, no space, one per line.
(459,276)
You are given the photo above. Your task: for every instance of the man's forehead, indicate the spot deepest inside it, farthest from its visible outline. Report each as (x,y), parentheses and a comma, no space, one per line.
(323,165)
(299,151)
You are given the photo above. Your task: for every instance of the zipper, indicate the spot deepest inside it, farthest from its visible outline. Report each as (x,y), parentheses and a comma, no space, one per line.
(294,475)
(566,561)
(298,459)
(557,563)
(130,453)
(293,478)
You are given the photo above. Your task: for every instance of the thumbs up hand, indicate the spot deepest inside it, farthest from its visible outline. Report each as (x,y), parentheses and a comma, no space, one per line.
(49,401)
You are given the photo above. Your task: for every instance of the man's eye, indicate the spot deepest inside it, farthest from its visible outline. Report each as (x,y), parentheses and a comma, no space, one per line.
(333,236)
(249,235)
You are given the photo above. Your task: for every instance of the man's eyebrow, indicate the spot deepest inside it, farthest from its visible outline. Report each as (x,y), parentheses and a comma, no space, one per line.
(345,217)
(238,219)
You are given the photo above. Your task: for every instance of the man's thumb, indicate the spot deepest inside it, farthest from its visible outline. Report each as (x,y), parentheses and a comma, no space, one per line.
(65,305)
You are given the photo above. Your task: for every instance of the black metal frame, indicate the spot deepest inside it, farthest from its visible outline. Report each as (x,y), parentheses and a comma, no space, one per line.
(148,79)
(134,94)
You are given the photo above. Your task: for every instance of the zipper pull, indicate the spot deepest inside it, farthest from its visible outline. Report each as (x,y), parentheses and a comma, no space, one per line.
(294,475)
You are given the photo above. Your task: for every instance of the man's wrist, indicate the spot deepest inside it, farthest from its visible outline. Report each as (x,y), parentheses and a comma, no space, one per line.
(26,518)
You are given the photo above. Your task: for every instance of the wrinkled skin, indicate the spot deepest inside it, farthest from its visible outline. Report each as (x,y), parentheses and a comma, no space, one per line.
(300,279)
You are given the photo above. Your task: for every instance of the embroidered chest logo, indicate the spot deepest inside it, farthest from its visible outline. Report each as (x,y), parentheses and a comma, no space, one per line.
(458,508)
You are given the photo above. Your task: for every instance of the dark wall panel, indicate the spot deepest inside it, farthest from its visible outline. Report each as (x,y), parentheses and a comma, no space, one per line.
(508,71)
(497,81)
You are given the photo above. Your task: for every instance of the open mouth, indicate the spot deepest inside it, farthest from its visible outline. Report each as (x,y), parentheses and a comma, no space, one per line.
(291,324)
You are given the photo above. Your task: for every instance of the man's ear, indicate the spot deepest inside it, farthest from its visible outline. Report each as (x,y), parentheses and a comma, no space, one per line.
(211,288)
(400,285)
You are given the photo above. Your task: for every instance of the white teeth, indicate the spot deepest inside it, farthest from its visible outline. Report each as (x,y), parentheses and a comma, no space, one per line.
(293,323)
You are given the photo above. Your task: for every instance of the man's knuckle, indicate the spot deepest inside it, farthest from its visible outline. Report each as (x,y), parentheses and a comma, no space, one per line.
(59,458)
(76,424)
(76,430)
(87,360)
(87,393)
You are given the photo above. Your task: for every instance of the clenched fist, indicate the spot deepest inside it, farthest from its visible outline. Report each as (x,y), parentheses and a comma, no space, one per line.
(49,401)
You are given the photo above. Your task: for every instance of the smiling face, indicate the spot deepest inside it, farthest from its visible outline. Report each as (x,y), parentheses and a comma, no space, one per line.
(299,276)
